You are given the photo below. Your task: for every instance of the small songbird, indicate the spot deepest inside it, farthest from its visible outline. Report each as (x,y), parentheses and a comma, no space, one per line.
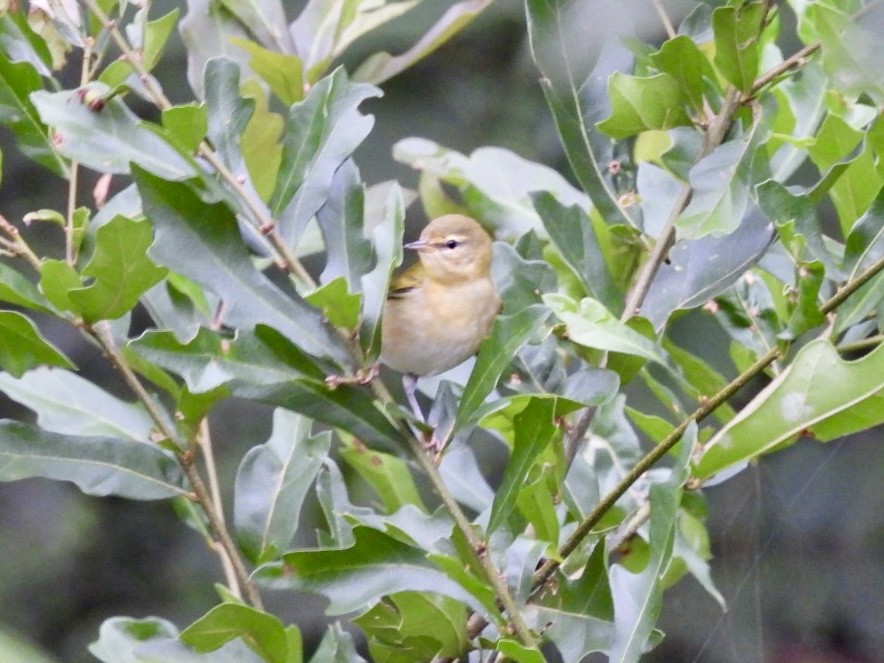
(439,310)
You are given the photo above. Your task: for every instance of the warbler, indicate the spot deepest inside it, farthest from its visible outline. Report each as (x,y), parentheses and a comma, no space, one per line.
(440,309)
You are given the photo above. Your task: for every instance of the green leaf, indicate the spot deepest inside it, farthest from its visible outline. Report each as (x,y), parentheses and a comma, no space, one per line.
(260,142)
(851,51)
(284,73)
(17,290)
(387,241)
(590,324)
(516,651)
(721,183)
(203,243)
(685,63)
(338,305)
(110,139)
(342,222)
(643,103)
(271,484)
(388,475)
(23,348)
(66,403)
(578,99)
(536,502)
(818,395)
(534,430)
(508,334)
(383,66)
(573,234)
(121,269)
(22,44)
(121,636)
(320,133)
(187,123)
(700,269)
(57,279)
(263,633)
(638,596)
(17,82)
(461,473)
(413,626)
(156,34)
(337,646)
(96,465)
(581,611)
(374,566)
(737,50)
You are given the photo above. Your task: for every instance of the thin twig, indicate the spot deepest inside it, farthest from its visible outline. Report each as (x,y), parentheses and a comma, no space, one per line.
(664,18)
(792,62)
(204,440)
(855,346)
(101,332)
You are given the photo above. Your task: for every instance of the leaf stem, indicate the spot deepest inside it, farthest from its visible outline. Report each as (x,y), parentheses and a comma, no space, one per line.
(648,460)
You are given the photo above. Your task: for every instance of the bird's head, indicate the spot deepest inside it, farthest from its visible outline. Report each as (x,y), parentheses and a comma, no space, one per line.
(454,248)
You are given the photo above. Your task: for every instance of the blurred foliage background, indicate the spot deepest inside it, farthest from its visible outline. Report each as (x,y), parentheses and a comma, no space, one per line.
(798,540)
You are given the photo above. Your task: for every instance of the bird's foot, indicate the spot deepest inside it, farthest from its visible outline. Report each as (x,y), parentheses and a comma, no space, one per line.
(361,376)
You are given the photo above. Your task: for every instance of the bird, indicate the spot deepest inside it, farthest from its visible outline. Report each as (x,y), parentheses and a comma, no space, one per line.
(440,309)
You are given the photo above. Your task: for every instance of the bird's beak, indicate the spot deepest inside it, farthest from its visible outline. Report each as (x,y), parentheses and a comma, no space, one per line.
(418,245)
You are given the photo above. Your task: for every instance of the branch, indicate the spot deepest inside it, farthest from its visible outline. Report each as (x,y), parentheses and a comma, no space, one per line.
(100,331)
(592,519)
(259,217)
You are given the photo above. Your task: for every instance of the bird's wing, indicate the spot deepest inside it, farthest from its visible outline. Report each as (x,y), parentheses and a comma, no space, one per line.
(406,281)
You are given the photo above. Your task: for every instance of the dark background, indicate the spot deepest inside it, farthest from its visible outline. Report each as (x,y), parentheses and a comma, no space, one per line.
(798,539)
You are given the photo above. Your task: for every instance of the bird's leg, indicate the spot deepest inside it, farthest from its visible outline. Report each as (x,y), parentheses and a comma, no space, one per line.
(409,384)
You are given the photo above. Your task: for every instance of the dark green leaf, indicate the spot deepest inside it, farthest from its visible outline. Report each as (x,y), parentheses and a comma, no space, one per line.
(271,484)
(110,139)
(376,565)
(572,232)
(66,403)
(97,465)
(819,394)
(22,44)
(737,49)
(263,633)
(121,269)
(320,133)
(228,113)
(508,334)
(16,289)
(461,473)
(534,429)
(639,104)
(23,348)
(202,242)
(536,502)
(806,313)
(17,82)
(264,20)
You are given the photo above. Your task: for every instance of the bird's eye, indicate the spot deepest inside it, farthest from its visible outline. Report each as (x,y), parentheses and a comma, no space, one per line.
(451,243)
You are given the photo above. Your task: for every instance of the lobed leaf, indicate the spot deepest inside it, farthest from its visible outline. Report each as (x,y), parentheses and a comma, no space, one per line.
(818,395)
(262,632)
